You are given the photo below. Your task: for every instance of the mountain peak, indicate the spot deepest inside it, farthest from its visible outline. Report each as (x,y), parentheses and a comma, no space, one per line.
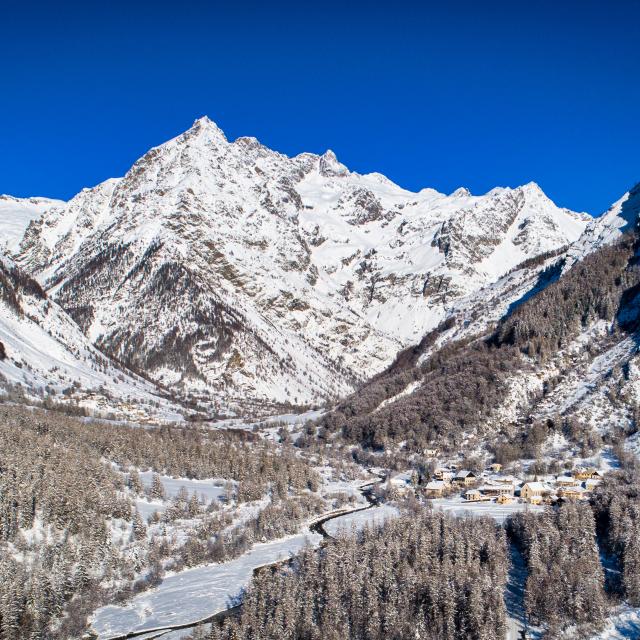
(532,188)
(330,166)
(207,128)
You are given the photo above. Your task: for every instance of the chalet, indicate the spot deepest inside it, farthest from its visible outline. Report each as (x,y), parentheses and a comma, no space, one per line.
(465,477)
(431,453)
(572,493)
(497,490)
(496,467)
(435,489)
(504,499)
(588,473)
(566,481)
(474,495)
(535,492)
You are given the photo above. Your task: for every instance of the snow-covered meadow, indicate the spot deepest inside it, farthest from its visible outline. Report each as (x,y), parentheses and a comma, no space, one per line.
(499,512)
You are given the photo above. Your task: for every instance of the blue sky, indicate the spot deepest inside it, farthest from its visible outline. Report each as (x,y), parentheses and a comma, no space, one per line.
(431,94)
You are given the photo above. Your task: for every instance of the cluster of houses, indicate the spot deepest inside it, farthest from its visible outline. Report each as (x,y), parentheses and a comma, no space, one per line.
(492,485)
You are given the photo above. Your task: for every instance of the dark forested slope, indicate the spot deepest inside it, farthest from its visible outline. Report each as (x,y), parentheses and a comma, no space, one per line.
(461,384)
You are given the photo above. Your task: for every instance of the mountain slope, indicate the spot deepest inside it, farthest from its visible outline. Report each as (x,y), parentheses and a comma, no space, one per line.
(15,216)
(564,356)
(231,271)
(620,217)
(44,355)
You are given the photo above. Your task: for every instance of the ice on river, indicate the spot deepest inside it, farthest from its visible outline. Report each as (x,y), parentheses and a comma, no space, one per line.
(358,519)
(193,594)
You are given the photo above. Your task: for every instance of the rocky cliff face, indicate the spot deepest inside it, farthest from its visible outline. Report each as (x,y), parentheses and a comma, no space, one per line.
(229,271)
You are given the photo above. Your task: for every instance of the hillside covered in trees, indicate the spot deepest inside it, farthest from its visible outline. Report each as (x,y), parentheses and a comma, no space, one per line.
(460,388)
(422,576)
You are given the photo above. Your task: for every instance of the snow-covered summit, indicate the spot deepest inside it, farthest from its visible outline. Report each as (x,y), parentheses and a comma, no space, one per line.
(329,165)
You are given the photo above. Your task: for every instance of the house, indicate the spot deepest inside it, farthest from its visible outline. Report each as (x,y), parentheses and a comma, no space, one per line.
(572,493)
(566,481)
(474,495)
(496,467)
(497,489)
(535,492)
(504,499)
(435,489)
(465,477)
(588,473)
(443,474)
(431,453)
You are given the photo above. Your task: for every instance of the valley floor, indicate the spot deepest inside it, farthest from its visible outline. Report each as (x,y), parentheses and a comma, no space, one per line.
(196,594)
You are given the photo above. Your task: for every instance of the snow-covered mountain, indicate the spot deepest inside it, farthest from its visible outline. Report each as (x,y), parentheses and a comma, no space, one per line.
(15,216)
(605,229)
(229,270)
(45,356)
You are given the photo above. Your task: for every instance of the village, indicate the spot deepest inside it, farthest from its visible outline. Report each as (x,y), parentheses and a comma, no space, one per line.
(493,485)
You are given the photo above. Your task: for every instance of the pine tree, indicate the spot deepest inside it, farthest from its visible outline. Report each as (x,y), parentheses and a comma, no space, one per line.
(157,490)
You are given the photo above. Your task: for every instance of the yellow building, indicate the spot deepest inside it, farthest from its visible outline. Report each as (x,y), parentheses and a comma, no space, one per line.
(587,473)
(572,493)
(497,489)
(535,492)
(566,481)
(435,489)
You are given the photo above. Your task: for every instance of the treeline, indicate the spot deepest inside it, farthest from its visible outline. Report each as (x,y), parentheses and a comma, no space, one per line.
(14,283)
(213,540)
(565,583)
(593,289)
(426,576)
(183,451)
(66,487)
(402,372)
(463,382)
(459,387)
(530,442)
